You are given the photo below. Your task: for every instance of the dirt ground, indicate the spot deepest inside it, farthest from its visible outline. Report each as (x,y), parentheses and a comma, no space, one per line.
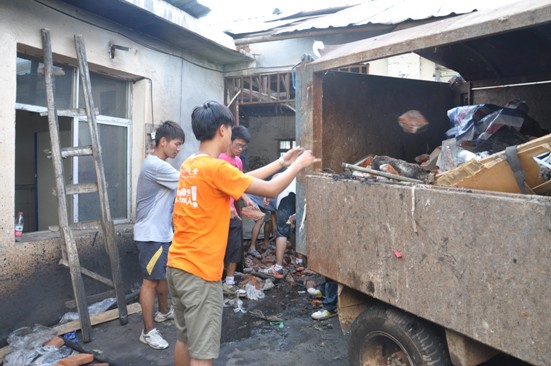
(246,339)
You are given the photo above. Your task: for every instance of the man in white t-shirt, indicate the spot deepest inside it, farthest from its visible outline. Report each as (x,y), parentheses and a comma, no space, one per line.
(153,231)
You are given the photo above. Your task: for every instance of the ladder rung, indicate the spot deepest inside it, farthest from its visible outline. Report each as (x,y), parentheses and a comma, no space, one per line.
(87,272)
(80,112)
(68,152)
(81,188)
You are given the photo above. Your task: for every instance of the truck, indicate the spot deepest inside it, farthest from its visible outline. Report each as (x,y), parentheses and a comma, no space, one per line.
(428,274)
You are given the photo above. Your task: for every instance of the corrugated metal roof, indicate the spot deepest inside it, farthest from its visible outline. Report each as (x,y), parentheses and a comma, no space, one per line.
(192,7)
(510,42)
(375,12)
(276,21)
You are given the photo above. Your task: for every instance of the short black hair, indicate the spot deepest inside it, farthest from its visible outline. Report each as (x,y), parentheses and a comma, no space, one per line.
(170,130)
(240,132)
(206,119)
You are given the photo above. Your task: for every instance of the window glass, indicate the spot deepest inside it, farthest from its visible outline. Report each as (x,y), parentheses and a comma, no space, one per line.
(109,96)
(285,145)
(113,140)
(31,85)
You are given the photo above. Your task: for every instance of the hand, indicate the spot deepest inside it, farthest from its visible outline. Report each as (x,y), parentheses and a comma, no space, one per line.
(306,159)
(292,218)
(233,213)
(290,156)
(266,201)
(250,202)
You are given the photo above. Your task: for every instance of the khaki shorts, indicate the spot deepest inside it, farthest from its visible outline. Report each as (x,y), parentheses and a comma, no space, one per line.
(197,312)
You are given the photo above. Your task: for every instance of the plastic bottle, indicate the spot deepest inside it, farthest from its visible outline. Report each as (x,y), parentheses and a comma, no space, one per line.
(19,222)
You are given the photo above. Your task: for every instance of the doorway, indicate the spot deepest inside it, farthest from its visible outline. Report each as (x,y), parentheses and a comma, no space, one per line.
(34,173)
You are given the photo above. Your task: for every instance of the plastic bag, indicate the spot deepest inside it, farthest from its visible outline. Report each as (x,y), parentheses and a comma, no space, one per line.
(253,293)
(237,305)
(96,308)
(20,357)
(50,355)
(29,338)
(479,122)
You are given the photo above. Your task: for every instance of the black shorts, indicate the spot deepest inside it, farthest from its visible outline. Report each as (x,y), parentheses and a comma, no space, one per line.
(152,257)
(285,209)
(234,249)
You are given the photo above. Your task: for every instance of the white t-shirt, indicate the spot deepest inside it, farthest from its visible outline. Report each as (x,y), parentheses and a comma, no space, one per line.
(155,196)
(291,188)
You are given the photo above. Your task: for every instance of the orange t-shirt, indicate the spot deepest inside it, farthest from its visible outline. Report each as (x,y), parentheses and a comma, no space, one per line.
(202,215)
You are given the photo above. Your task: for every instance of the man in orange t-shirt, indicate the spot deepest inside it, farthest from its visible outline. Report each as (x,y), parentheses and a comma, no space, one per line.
(201,219)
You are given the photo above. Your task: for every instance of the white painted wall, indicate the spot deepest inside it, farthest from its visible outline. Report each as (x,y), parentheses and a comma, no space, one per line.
(284,54)
(170,82)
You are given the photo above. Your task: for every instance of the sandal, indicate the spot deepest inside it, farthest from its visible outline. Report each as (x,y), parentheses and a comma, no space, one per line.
(254,253)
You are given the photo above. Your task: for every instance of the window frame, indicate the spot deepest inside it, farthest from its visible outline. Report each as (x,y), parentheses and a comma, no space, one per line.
(100,119)
(280,150)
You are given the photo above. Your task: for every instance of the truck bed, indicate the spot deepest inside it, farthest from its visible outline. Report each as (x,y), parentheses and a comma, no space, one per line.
(472,261)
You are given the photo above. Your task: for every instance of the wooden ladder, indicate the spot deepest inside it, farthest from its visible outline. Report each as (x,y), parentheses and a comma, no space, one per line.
(70,256)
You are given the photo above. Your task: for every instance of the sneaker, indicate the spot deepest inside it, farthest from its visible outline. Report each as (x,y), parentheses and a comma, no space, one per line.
(272,272)
(314,292)
(254,254)
(323,314)
(233,290)
(154,339)
(160,317)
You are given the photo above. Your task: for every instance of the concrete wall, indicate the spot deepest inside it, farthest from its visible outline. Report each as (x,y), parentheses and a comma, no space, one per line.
(169,83)
(265,134)
(284,54)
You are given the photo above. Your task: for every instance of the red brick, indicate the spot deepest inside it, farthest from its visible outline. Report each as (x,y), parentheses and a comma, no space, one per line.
(77,360)
(55,341)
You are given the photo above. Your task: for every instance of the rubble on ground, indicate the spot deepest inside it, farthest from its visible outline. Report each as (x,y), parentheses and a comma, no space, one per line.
(41,346)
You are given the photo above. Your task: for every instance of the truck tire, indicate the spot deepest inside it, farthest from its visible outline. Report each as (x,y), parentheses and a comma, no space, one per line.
(384,336)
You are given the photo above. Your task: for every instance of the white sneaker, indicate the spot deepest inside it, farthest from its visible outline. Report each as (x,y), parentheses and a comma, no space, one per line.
(160,317)
(233,290)
(314,292)
(154,339)
(323,314)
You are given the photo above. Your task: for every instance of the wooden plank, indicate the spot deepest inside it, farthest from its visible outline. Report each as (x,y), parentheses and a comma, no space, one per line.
(98,318)
(106,219)
(70,248)
(68,152)
(543,188)
(81,188)
(494,173)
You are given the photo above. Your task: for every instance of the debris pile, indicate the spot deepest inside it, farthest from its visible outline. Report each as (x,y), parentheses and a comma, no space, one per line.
(41,346)
(488,147)
(256,283)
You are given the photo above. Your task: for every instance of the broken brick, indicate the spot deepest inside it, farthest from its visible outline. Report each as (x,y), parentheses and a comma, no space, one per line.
(56,342)
(77,360)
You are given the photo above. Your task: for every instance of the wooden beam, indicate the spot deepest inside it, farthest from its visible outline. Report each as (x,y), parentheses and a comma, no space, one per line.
(97,319)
